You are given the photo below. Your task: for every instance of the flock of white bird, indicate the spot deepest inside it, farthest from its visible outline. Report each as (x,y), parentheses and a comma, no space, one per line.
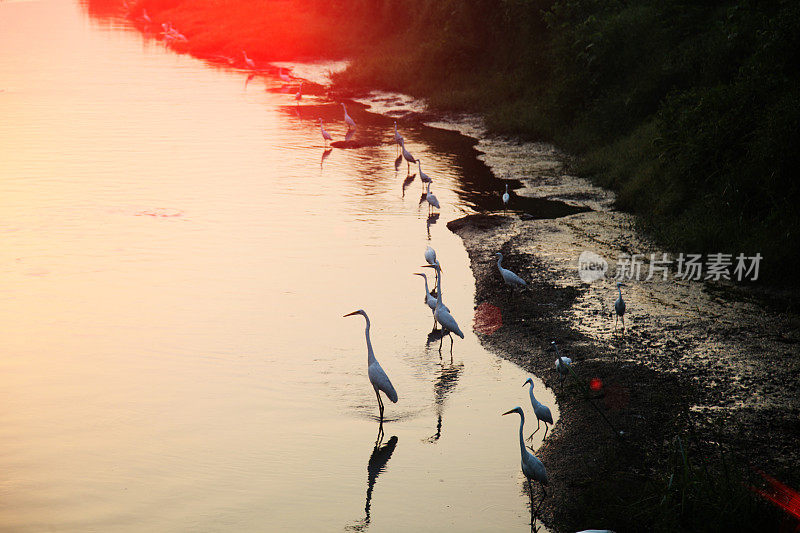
(532,467)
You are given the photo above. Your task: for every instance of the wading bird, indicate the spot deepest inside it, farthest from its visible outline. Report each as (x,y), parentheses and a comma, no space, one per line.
(299,93)
(619,307)
(398,139)
(430,256)
(430,299)
(431,199)
(347,120)
(541,411)
(325,134)
(562,363)
(283,76)
(532,467)
(441,314)
(510,279)
(407,156)
(422,176)
(247,61)
(378,378)
(506,197)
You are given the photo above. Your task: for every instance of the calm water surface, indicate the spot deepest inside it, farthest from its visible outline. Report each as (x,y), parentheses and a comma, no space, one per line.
(175,264)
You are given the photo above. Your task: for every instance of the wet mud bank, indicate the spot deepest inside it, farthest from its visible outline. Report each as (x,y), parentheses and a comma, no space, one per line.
(705,378)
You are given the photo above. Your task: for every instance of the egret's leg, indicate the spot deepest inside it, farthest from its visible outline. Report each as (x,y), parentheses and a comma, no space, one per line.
(451,344)
(546,427)
(380,403)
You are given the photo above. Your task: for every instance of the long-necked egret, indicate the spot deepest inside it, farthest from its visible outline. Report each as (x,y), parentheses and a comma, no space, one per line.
(422,176)
(541,411)
(619,307)
(506,197)
(532,467)
(146,17)
(562,363)
(407,156)
(325,134)
(398,139)
(510,279)
(430,299)
(283,76)
(430,198)
(299,94)
(347,119)
(247,61)
(378,378)
(441,313)
(430,255)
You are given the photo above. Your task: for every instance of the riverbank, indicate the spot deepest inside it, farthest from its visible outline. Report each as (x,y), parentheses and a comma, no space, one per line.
(693,378)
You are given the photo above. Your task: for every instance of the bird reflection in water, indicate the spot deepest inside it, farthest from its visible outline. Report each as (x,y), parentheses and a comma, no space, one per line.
(248,80)
(349,135)
(430,221)
(381,454)
(407,182)
(445,383)
(325,154)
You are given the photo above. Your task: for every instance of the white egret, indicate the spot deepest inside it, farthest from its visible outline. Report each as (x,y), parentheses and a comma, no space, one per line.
(430,299)
(430,255)
(532,467)
(407,156)
(284,78)
(325,134)
(299,93)
(378,378)
(562,363)
(541,411)
(422,176)
(619,307)
(430,198)
(506,197)
(146,17)
(510,279)
(398,139)
(249,62)
(441,313)
(349,121)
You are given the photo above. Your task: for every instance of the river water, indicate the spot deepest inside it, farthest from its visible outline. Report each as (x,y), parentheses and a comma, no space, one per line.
(176,259)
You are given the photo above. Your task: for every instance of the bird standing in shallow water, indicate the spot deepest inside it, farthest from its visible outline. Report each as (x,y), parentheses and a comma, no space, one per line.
(619,307)
(424,178)
(283,76)
(510,279)
(398,139)
(441,313)
(247,61)
(431,199)
(378,378)
(325,134)
(347,120)
(541,411)
(532,467)
(430,256)
(299,94)
(506,197)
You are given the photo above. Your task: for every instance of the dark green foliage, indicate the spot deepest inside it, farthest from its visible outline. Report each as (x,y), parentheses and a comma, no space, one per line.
(690,110)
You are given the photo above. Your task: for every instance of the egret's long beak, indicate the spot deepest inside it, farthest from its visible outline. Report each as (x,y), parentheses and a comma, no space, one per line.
(419,274)
(509,412)
(350,314)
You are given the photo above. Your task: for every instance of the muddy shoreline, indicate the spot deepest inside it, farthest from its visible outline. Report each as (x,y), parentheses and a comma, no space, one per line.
(704,367)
